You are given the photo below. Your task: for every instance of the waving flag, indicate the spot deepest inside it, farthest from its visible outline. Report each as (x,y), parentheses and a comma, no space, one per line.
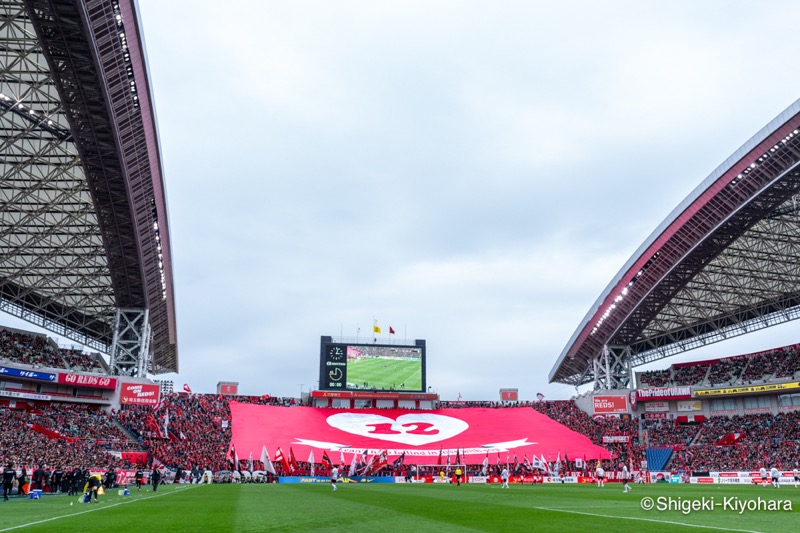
(233,457)
(292,461)
(279,456)
(368,467)
(383,460)
(267,463)
(186,388)
(538,464)
(352,471)
(326,461)
(391,331)
(399,461)
(485,464)
(311,462)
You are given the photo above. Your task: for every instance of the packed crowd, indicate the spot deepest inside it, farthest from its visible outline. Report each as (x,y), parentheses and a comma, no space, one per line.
(780,363)
(189,430)
(663,432)
(656,378)
(750,456)
(22,446)
(81,362)
(40,352)
(27,349)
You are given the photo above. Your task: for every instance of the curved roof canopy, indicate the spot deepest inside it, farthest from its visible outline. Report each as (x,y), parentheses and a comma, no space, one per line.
(723,263)
(83,213)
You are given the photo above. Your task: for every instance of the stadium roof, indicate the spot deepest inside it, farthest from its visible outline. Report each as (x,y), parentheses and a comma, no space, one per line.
(83,211)
(722,264)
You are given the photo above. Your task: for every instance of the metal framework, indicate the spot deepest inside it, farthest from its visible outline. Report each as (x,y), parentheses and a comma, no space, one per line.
(724,263)
(84,235)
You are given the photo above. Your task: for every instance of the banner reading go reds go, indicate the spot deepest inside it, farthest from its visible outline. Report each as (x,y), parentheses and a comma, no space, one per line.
(138,394)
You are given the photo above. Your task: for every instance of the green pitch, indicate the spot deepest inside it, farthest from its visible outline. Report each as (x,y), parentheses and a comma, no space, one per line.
(400,507)
(385,374)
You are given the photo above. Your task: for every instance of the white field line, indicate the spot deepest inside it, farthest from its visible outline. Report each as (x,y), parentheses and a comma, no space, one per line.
(93,509)
(684,524)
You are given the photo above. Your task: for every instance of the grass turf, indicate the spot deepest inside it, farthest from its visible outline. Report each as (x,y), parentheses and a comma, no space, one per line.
(382,373)
(400,507)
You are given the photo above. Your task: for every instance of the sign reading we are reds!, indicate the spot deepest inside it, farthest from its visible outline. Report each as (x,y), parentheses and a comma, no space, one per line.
(610,404)
(91,382)
(139,394)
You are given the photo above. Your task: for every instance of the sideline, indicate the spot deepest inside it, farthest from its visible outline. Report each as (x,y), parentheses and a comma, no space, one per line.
(176,491)
(684,524)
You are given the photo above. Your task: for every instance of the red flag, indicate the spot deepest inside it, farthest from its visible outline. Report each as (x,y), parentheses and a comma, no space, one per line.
(282,458)
(186,388)
(391,331)
(292,461)
(326,461)
(381,462)
(233,457)
(440,456)
(458,457)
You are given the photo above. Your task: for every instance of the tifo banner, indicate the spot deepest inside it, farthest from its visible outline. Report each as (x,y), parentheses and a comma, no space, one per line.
(91,382)
(138,394)
(610,404)
(423,436)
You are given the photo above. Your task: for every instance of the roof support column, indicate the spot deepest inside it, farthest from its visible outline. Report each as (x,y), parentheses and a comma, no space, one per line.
(612,368)
(130,349)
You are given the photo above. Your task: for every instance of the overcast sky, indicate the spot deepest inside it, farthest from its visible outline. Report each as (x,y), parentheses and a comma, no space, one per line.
(469,173)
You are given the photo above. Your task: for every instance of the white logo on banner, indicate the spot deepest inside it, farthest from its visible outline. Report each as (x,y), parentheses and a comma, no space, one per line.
(414,429)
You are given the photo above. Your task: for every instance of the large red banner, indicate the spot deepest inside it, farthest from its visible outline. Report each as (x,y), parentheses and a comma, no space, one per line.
(138,394)
(91,382)
(424,436)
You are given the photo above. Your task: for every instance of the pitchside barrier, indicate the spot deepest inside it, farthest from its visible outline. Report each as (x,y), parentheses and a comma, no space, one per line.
(743,478)
(345,479)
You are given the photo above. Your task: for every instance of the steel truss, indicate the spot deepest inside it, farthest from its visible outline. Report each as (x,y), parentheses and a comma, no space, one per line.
(83,224)
(53,267)
(130,350)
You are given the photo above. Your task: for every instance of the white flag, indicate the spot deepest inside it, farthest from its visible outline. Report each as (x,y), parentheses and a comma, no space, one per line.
(166,426)
(267,463)
(341,458)
(485,465)
(353,465)
(311,461)
(538,464)
(250,463)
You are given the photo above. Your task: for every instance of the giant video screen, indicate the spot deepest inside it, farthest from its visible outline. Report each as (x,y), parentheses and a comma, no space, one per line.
(372,367)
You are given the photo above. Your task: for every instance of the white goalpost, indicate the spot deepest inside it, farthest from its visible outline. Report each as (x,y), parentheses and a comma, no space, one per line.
(433,470)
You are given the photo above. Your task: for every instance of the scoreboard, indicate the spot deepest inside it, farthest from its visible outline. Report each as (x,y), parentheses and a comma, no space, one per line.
(359,366)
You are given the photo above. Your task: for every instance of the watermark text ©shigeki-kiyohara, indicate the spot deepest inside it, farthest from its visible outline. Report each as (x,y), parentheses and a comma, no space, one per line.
(732,504)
